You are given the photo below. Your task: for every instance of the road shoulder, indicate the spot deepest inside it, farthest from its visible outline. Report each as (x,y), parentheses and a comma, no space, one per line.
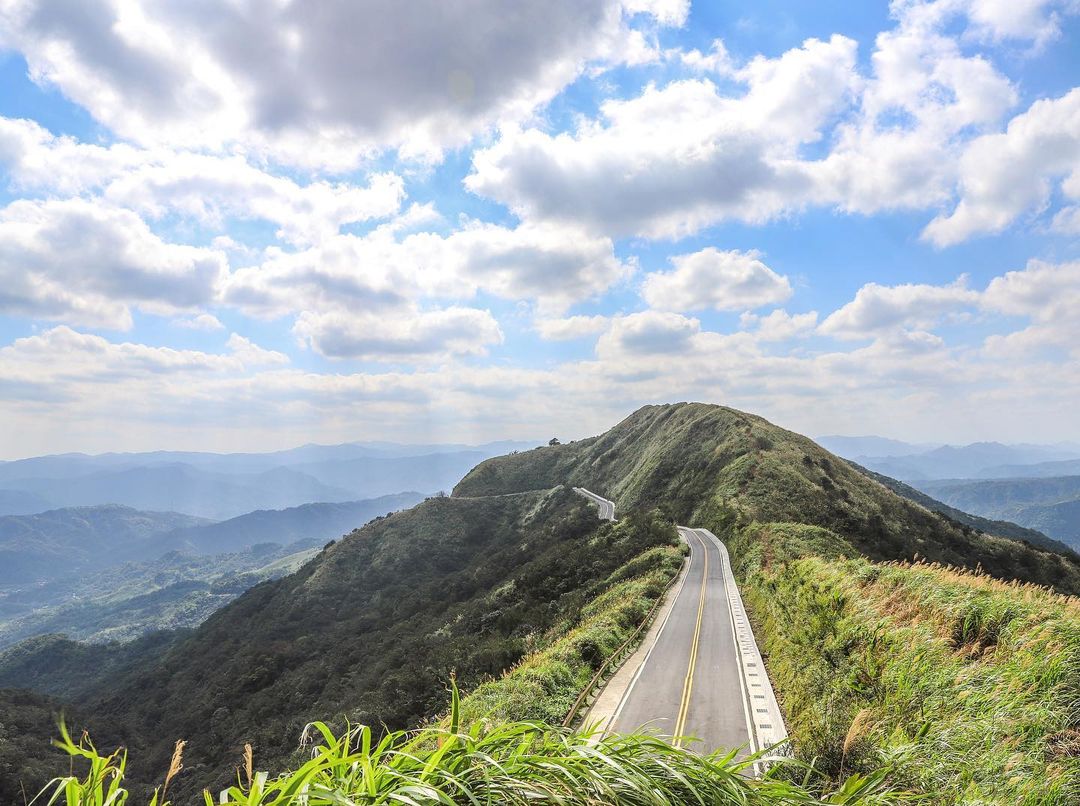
(606,705)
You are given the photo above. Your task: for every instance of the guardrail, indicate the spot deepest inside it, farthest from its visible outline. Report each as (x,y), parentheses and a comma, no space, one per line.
(619,654)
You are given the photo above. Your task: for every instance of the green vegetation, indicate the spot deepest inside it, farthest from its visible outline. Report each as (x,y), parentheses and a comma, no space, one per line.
(27,727)
(58,666)
(520,762)
(964,686)
(985,525)
(544,685)
(370,629)
(953,684)
(723,468)
(1049,504)
(133,572)
(177,591)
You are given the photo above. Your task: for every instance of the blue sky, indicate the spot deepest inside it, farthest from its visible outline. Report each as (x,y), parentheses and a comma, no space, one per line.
(469,225)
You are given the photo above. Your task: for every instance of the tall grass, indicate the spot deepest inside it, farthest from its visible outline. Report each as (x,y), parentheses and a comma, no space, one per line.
(966,686)
(513,763)
(544,685)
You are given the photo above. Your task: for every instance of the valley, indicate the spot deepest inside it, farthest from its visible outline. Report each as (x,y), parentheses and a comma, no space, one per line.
(885,627)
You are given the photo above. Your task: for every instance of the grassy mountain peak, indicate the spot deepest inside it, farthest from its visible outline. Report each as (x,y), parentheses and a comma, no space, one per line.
(715,465)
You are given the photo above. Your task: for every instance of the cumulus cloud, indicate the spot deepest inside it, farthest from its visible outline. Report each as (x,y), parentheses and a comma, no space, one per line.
(555,265)
(685,155)
(878,310)
(251,354)
(1036,20)
(1046,293)
(647,333)
(210,189)
(924,97)
(678,157)
(387,336)
(62,352)
(203,321)
(88,264)
(1004,175)
(724,281)
(779,325)
(320,87)
(571,327)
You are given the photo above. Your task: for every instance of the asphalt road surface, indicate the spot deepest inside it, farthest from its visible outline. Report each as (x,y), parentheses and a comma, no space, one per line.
(690,683)
(607,508)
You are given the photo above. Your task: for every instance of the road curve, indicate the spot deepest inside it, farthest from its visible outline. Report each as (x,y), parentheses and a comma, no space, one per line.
(607,508)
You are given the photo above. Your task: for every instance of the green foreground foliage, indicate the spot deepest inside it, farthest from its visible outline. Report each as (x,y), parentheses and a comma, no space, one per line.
(369,631)
(963,688)
(966,687)
(519,762)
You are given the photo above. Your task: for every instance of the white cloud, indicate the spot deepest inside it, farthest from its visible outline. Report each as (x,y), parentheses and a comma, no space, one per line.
(647,333)
(878,310)
(680,157)
(571,327)
(1004,175)
(35,159)
(320,87)
(724,281)
(683,156)
(422,336)
(87,263)
(62,354)
(213,189)
(717,60)
(1036,20)
(1046,293)
(203,321)
(210,189)
(779,325)
(251,354)
(555,265)
(923,99)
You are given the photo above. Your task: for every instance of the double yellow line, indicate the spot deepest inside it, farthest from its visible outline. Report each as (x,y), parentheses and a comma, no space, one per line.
(688,683)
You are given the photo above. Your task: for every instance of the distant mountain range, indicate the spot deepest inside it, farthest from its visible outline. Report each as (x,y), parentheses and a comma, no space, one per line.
(1051,505)
(872,446)
(314,523)
(908,462)
(220,486)
(70,542)
(114,573)
(79,540)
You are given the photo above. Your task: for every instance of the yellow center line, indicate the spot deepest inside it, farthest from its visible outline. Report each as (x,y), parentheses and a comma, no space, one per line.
(688,683)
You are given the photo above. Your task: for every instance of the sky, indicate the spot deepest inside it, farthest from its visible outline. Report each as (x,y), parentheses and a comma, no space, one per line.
(252,225)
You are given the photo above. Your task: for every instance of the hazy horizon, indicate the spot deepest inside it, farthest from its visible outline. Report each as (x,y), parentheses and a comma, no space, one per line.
(845,218)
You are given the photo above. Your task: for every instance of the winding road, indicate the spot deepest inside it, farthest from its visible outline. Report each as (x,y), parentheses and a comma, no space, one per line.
(698,676)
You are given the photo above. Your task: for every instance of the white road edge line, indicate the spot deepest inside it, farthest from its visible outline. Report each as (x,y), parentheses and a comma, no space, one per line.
(602,503)
(768,722)
(746,699)
(656,640)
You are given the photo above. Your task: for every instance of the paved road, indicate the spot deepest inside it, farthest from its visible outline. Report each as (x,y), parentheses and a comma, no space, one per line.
(690,683)
(607,508)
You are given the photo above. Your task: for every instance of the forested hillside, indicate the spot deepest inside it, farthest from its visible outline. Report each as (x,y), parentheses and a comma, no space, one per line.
(370,630)
(989,526)
(1050,504)
(515,584)
(714,465)
(68,542)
